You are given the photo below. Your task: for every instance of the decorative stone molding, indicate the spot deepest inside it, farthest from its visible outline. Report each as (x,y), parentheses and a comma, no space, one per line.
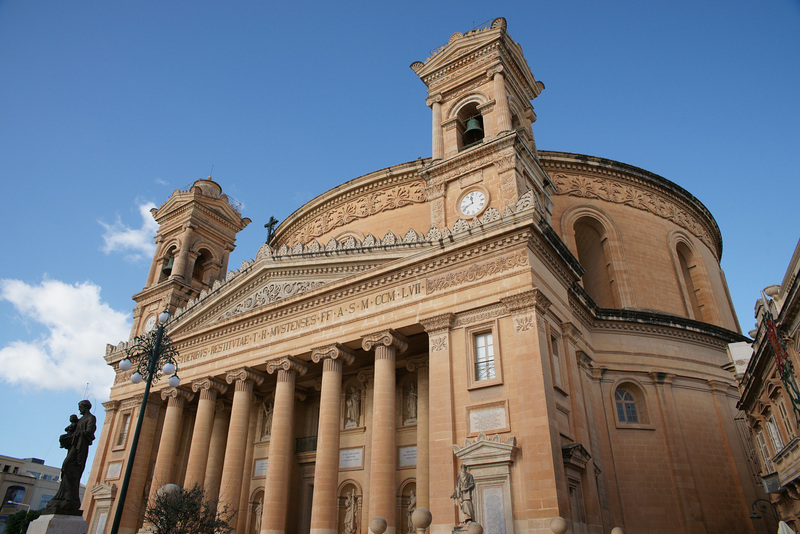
(437,323)
(576,455)
(636,197)
(387,338)
(333,352)
(527,300)
(104,490)
(270,293)
(361,207)
(480,315)
(438,344)
(477,271)
(523,323)
(482,449)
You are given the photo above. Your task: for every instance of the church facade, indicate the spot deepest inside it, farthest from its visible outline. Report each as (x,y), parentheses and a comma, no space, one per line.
(496,333)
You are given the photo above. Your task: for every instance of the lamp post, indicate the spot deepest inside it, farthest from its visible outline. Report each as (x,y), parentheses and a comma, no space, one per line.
(154,356)
(15,504)
(764,506)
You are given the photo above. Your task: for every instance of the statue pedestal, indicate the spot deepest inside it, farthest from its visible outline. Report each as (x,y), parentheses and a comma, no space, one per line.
(58,524)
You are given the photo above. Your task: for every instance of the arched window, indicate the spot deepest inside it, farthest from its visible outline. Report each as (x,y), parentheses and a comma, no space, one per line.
(201,265)
(691,281)
(167,263)
(470,124)
(14,494)
(591,241)
(626,406)
(630,406)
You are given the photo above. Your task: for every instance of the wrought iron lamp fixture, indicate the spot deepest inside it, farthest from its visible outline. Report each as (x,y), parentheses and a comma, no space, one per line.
(154,357)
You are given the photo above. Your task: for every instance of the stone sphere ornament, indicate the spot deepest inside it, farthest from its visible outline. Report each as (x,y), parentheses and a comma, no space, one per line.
(168,488)
(473,527)
(377,525)
(421,517)
(558,525)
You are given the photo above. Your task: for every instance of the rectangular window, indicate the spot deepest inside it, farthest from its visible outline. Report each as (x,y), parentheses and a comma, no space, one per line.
(484,356)
(785,419)
(556,359)
(124,425)
(765,455)
(774,434)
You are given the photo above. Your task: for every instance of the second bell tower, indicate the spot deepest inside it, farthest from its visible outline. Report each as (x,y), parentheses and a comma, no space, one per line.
(196,233)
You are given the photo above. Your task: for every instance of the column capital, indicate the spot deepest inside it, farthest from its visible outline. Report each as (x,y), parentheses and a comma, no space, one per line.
(334,352)
(111,406)
(533,298)
(243,374)
(417,364)
(175,393)
(492,72)
(387,338)
(434,99)
(208,384)
(287,363)
(661,378)
(438,323)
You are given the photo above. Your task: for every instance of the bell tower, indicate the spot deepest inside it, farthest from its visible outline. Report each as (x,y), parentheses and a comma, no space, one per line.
(196,233)
(483,150)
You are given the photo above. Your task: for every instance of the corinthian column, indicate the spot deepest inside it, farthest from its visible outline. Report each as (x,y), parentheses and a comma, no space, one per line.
(231,483)
(216,449)
(201,436)
(324,517)
(383,462)
(276,487)
(163,473)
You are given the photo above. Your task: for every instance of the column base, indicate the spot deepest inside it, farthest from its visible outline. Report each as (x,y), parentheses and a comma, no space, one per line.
(58,524)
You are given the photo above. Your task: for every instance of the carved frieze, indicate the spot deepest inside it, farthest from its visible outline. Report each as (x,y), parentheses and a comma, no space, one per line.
(272,292)
(358,208)
(636,197)
(477,271)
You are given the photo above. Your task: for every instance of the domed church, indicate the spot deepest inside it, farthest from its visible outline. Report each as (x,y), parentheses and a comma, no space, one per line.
(530,340)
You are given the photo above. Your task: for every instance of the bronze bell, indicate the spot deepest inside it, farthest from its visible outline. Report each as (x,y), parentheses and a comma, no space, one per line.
(167,269)
(473,132)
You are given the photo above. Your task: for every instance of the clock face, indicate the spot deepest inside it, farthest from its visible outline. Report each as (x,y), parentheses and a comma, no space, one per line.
(472,203)
(151,322)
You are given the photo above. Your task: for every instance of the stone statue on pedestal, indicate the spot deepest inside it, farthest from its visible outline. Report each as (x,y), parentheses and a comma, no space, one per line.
(465,483)
(79,435)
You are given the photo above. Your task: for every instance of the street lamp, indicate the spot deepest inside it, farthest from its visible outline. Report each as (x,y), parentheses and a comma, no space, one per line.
(154,357)
(15,504)
(764,506)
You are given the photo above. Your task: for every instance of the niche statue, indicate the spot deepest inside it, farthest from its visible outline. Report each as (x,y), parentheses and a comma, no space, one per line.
(79,435)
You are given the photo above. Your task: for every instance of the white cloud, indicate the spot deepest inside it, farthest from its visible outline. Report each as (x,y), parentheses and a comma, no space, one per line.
(70,354)
(137,242)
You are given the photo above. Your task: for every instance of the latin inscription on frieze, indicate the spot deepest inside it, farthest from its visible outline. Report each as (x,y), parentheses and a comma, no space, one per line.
(321,318)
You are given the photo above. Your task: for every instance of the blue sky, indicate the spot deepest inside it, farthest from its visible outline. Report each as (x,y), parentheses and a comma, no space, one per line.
(107,107)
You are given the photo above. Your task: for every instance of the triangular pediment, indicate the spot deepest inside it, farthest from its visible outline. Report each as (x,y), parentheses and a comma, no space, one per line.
(484,450)
(263,284)
(459,46)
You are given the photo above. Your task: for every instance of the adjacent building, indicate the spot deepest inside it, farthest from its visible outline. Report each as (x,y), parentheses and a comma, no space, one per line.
(26,484)
(555,322)
(768,380)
